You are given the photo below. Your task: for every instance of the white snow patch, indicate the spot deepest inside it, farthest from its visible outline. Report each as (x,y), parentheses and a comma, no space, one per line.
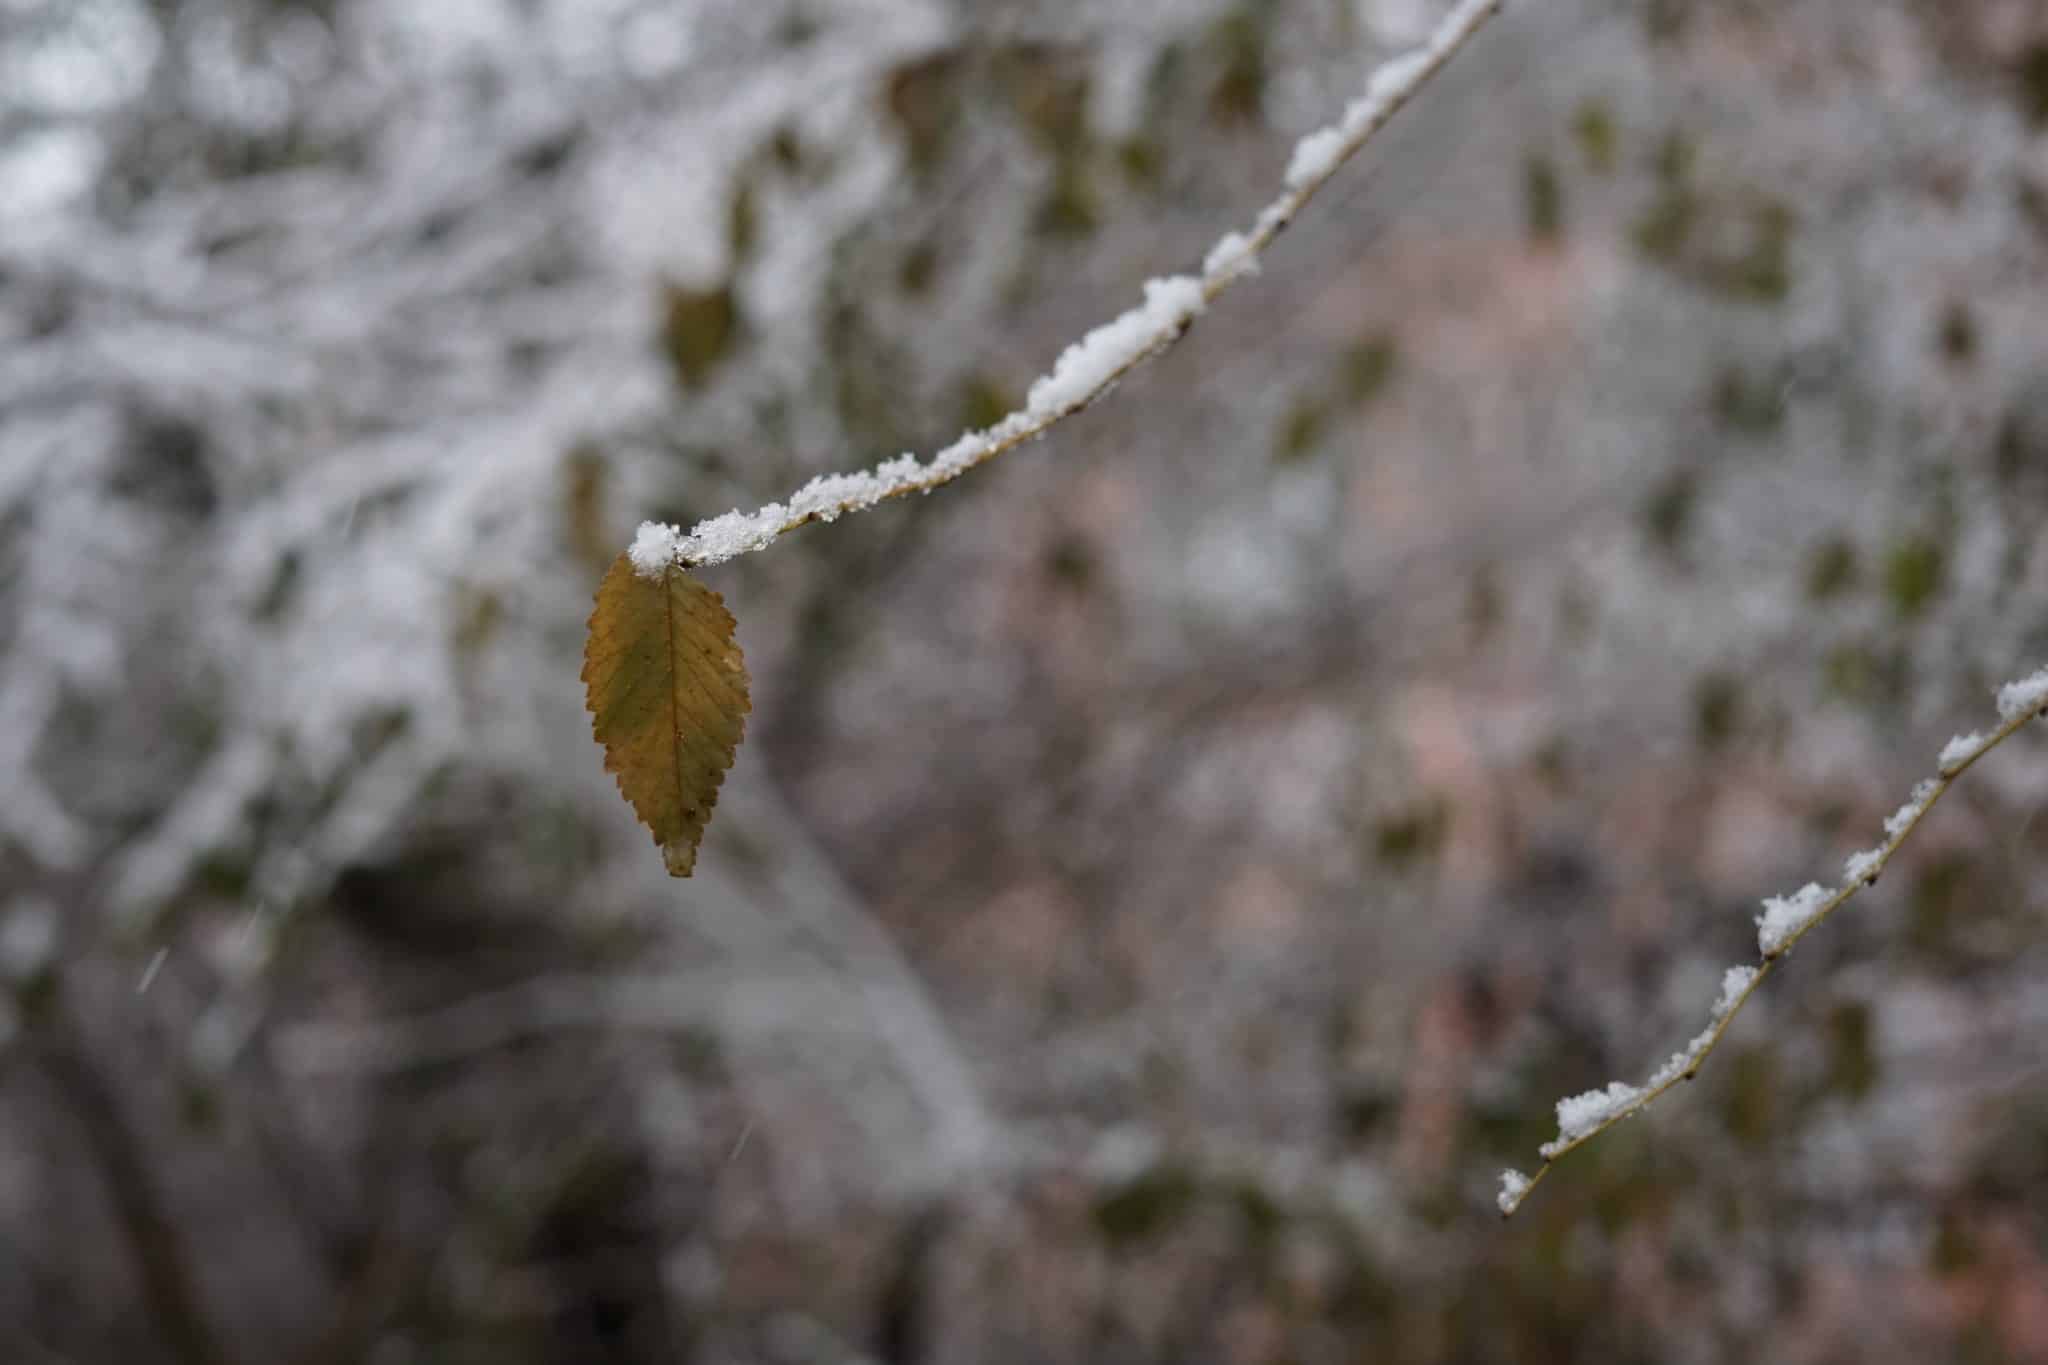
(1315,156)
(1916,805)
(1230,257)
(1513,1185)
(1578,1115)
(2028,694)
(1785,916)
(654,548)
(1735,983)
(1087,366)
(1958,751)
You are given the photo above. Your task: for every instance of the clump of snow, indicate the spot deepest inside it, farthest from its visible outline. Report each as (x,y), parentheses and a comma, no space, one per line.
(1785,916)
(1959,751)
(1862,865)
(1395,79)
(1316,155)
(1087,366)
(734,534)
(1735,983)
(1232,256)
(654,548)
(1578,1115)
(1513,1185)
(1900,820)
(2030,693)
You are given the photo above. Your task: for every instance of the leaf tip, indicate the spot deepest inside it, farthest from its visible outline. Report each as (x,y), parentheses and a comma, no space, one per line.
(680,857)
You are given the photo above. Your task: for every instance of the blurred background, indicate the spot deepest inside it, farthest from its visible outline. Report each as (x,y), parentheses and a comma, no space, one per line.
(1170,872)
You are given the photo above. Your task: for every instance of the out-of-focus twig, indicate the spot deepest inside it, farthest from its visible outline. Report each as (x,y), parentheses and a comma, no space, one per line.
(160,1257)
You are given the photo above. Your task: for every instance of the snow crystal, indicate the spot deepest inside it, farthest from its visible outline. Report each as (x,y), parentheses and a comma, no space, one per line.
(1513,1185)
(1088,365)
(1901,819)
(1578,1115)
(2030,693)
(1862,865)
(654,548)
(973,447)
(1785,916)
(1958,750)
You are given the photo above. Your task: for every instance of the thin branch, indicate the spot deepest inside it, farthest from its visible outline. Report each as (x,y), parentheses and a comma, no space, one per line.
(1786,920)
(162,1262)
(1091,366)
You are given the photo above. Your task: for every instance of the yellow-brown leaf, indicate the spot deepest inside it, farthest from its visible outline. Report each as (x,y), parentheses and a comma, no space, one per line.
(667,692)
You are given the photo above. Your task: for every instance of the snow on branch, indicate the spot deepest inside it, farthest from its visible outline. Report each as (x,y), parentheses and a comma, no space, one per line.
(1785,920)
(1091,366)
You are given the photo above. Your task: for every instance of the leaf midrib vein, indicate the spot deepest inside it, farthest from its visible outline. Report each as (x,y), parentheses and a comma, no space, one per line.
(675,724)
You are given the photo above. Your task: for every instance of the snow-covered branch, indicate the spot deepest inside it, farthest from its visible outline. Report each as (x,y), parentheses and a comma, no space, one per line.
(1785,920)
(1091,366)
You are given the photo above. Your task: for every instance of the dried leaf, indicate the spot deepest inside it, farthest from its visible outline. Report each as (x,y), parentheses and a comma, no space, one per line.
(667,692)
